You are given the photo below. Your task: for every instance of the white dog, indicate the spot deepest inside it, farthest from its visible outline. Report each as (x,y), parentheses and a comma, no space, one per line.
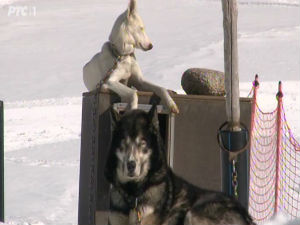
(116,64)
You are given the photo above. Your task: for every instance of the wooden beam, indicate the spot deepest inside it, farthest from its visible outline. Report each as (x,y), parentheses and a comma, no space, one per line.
(231,63)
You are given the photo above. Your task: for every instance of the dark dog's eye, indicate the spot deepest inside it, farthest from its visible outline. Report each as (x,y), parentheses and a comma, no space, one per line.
(143,144)
(145,150)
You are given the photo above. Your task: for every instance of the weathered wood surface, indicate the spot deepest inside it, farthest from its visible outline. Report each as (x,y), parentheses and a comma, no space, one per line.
(231,63)
(88,163)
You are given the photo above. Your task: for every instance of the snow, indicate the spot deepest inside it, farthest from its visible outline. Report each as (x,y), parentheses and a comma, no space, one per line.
(42,184)
(35,126)
(41,63)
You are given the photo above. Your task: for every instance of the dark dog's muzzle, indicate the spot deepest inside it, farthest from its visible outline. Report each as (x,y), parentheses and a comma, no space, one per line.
(131,166)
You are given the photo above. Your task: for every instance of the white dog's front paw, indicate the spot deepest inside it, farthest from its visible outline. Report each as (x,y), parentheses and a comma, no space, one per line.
(173,108)
(170,102)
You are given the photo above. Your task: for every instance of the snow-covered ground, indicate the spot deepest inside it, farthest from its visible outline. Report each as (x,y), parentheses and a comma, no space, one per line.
(41,60)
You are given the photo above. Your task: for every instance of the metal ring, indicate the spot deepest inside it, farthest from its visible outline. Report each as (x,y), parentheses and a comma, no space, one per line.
(220,142)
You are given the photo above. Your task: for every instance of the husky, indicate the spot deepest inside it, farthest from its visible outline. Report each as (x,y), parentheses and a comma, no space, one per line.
(116,67)
(145,191)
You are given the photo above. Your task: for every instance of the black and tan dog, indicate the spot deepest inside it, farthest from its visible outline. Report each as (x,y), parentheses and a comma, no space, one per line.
(146,191)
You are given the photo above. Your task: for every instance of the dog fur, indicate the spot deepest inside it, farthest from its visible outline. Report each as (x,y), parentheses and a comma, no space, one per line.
(116,65)
(144,186)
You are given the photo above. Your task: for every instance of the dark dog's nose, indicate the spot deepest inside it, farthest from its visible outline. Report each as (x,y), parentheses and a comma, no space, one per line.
(131,166)
(150,46)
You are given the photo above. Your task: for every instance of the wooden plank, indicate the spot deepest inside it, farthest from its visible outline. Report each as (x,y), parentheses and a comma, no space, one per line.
(88,164)
(231,63)
(196,140)
(177,96)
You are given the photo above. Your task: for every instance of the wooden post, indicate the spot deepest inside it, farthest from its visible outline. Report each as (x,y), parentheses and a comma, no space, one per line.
(278,147)
(236,136)
(231,64)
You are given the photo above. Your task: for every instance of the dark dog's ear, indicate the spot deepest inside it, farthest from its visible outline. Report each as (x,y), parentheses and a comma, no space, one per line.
(115,117)
(153,116)
(154,101)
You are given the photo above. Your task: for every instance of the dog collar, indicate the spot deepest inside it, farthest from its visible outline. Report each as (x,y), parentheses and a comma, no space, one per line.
(134,205)
(117,54)
(138,212)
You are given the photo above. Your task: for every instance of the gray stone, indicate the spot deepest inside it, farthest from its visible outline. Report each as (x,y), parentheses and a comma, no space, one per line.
(198,81)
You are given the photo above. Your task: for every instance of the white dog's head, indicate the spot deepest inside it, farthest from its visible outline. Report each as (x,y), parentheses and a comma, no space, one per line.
(129,33)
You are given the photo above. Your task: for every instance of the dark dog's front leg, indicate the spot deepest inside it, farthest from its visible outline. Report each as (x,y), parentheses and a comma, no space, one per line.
(117,218)
(176,217)
(118,210)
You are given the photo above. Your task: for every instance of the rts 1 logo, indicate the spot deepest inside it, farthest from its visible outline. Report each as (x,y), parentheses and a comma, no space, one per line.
(21,11)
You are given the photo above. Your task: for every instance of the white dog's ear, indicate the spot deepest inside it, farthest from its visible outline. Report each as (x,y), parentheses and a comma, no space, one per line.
(131,8)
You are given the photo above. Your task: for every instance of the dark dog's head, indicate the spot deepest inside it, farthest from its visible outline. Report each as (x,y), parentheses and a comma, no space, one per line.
(136,153)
